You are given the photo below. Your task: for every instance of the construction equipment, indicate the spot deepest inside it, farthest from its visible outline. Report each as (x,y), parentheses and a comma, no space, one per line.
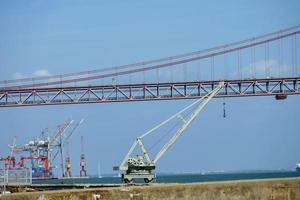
(57,141)
(44,149)
(68,168)
(41,150)
(67,162)
(82,161)
(42,170)
(141,166)
(66,143)
(9,162)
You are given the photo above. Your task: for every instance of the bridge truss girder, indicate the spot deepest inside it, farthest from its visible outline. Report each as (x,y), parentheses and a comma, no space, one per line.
(147,92)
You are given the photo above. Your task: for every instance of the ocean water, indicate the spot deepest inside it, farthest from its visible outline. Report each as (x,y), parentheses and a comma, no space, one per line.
(178,178)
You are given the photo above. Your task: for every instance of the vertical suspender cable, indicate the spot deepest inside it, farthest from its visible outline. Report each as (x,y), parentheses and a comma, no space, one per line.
(172,74)
(292,53)
(225,66)
(212,70)
(280,57)
(266,73)
(130,78)
(268,60)
(199,70)
(144,76)
(239,64)
(252,62)
(116,77)
(296,56)
(185,71)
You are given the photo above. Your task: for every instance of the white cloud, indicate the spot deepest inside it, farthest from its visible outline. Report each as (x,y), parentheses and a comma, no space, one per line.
(260,68)
(18,75)
(41,72)
(37,73)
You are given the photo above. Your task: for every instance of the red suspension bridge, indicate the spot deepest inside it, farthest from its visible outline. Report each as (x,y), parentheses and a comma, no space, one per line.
(259,66)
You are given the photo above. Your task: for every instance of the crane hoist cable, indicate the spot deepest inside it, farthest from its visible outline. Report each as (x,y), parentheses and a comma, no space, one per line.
(171,130)
(224,108)
(164,135)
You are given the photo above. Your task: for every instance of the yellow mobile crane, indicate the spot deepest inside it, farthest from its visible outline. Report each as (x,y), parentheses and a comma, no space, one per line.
(141,166)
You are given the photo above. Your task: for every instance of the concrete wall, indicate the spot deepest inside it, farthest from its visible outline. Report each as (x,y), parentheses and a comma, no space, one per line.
(272,189)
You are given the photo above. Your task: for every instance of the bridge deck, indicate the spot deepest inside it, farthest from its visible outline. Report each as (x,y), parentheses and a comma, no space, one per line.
(146,92)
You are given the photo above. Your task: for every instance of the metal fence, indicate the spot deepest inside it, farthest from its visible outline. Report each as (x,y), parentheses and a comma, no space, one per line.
(21,176)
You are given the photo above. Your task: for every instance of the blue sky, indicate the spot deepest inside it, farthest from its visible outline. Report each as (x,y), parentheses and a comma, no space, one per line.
(66,36)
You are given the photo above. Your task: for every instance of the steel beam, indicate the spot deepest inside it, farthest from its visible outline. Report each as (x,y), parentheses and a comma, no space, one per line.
(147,92)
